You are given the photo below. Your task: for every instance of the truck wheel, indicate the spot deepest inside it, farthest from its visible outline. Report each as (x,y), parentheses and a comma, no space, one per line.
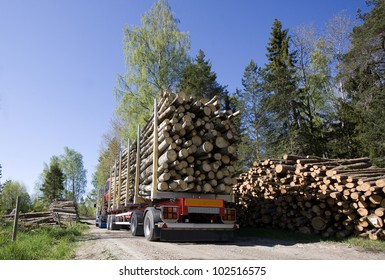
(151,233)
(114,226)
(136,226)
(109,222)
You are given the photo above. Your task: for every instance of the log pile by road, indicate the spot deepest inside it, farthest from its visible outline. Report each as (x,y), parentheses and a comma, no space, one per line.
(60,212)
(330,197)
(196,143)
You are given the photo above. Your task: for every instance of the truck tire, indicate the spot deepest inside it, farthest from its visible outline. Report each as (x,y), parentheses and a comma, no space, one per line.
(109,222)
(114,226)
(151,217)
(136,226)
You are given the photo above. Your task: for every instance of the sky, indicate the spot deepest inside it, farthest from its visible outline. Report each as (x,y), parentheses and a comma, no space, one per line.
(59,62)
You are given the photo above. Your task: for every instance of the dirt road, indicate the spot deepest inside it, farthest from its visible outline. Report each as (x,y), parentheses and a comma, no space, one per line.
(102,244)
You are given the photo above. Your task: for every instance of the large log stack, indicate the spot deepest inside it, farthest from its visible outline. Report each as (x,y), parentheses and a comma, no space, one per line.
(195,145)
(334,198)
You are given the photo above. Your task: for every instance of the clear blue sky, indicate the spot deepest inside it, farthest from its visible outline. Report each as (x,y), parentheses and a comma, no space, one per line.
(59,61)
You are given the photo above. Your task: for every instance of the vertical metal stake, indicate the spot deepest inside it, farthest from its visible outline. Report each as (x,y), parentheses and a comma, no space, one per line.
(137,167)
(155,154)
(128,171)
(109,191)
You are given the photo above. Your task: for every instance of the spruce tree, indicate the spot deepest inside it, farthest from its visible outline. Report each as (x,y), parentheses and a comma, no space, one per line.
(198,80)
(283,101)
(254,119)
(53,185)
(364,79)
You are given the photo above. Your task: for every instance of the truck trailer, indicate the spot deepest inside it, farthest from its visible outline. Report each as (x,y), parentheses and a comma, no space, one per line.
(175,183)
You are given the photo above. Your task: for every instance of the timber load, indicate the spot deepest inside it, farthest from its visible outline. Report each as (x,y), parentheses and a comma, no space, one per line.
(330,197)
(193,148)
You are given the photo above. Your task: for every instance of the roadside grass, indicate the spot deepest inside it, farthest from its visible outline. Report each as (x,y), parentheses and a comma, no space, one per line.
(291,236)
(42,243)
(365,243)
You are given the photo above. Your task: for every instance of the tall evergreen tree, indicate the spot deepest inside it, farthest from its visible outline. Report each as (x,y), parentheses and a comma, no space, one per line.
(155,55)
(198,80)
(314,72)
(283,103)
(254,119)
(364,78)
(53,185)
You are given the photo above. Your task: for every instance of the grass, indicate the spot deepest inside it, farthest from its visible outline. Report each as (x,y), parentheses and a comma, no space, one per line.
(364,243)
(297,237)
(43,243)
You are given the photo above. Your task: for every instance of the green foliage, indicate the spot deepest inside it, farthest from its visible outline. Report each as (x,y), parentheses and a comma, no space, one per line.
(45,243)
(86,206)
(364,79)
(155,56)
(107,156)
(53,185)
(315,96)
(74,173)
(198,81)
(282,104)
(254,117)
(11,191)
(38,205)
(342,138)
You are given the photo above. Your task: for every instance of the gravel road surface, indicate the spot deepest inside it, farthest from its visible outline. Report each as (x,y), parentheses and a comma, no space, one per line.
(102,244)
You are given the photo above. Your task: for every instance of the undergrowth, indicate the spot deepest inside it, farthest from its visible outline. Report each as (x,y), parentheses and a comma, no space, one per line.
(40,243)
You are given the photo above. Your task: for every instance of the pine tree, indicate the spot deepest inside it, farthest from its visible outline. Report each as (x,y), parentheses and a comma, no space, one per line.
(364,79)
(198,80)
(53,185)
(283,101)
(254,120)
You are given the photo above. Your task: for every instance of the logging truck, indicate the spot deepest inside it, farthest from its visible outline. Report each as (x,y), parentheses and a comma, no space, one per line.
(174,183)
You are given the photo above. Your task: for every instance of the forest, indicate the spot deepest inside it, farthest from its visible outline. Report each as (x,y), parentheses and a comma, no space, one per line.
(319,94)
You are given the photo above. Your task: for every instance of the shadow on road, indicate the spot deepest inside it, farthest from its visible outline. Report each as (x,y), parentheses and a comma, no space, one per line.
(242,241)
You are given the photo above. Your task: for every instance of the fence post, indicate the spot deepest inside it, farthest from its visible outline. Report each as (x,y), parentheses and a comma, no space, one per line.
(16,218)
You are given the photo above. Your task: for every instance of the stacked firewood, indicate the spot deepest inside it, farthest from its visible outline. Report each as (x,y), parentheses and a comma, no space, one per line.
(334,198)
(60,212)
(196,145)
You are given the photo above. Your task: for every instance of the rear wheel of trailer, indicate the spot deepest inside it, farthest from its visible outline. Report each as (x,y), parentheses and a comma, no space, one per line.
(151,217)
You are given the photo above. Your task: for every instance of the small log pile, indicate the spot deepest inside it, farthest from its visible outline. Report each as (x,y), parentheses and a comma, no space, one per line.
(64,211)
(60,212)
(196,143)
(330,197)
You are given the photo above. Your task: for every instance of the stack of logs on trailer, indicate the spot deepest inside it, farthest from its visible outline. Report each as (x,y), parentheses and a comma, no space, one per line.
(195,147)
(334,198)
